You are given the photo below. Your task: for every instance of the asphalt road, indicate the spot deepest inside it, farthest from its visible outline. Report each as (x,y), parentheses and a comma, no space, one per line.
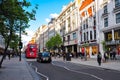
(59,70)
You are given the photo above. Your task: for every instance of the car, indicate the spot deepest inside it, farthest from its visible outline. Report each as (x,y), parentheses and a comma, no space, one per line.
(44,57)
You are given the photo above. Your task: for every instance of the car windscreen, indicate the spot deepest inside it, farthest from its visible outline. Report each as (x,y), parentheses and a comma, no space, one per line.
(45,54)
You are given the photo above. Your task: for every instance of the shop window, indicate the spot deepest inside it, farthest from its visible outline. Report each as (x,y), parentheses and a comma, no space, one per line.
(94,50)
(88,51)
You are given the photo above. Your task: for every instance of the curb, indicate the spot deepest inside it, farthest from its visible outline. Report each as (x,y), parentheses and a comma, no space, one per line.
(32,72)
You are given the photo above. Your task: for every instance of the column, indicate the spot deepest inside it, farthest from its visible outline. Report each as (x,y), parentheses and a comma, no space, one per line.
(113,39)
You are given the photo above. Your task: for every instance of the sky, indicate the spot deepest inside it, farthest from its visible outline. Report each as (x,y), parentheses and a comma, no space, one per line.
(47,9)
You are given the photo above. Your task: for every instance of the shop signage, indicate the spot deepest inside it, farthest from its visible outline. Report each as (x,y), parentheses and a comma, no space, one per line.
(108,36)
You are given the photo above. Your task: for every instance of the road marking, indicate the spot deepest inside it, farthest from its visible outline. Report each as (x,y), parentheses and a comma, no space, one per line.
(78,71)
(36,70)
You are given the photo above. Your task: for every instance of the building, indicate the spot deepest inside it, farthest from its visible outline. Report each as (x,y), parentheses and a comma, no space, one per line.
(67,23)
(84,25)
(2,45)
(109,23)
(51,28)
(88,31)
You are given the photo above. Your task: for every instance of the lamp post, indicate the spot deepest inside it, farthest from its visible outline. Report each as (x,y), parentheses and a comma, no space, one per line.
(20,44)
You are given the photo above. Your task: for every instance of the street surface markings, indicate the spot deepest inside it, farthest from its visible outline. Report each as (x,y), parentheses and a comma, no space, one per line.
(77,71)
(36,70)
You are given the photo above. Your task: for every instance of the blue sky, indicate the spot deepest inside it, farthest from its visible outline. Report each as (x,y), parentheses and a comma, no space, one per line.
(45,8)
(45,11)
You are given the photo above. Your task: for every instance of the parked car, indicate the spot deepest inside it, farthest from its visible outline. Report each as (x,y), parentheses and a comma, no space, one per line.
(44,57)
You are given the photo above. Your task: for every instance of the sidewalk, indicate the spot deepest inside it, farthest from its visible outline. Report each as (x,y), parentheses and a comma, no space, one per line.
(111,64)
(14,69)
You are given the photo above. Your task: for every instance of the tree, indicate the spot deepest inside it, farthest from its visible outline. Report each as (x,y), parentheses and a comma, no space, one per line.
(13,17)
(104,46)
(54,42)
(58,40)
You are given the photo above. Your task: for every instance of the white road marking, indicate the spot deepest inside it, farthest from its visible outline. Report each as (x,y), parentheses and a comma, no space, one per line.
(79,72)
(36,70)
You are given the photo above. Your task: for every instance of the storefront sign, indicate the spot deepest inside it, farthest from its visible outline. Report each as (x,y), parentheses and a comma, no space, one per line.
(108,35)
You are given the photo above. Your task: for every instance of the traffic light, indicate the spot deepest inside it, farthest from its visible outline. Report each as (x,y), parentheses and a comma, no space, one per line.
(20,45)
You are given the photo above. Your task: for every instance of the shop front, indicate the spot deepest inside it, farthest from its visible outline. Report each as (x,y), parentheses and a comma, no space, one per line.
(91,50)
(112,40)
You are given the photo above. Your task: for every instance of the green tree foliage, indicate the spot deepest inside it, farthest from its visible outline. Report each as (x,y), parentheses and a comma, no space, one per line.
(58,40)
(13,17)
(54,42)
(105,48)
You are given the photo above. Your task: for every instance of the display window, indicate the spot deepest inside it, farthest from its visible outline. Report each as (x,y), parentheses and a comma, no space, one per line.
(87,50)
(94,50)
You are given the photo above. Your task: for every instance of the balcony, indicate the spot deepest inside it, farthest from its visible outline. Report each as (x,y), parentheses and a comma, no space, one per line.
(117,8)
(105,14)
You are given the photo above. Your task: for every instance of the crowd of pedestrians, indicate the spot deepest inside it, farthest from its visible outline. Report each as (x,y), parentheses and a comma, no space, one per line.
(9,54)
(107,55)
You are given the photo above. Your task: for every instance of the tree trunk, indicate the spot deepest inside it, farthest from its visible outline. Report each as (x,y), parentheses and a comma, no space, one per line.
(3,57)
(6,47)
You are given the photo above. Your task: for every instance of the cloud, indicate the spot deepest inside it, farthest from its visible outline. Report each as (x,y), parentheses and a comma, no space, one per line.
(47,20)
(53,15)
(27,38)
(64,6)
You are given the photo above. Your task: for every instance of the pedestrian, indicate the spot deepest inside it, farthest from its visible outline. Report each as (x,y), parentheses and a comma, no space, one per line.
(106,56)
(8,53)
(114,55)
(99,57)
(64,55)
(85,55)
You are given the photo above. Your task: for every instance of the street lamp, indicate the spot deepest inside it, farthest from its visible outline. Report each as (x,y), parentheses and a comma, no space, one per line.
(20,44)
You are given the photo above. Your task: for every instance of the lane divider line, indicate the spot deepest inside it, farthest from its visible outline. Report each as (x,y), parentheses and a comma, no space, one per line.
(78,71)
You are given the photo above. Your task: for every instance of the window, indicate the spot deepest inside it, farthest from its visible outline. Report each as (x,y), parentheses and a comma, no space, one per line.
(94,34)
(106,22)
(83,26)
(117,3)
(84,37)
(68,37)
(94,19)
(74,36)
(90,35)
(118,18)
(63,38)
(87,36)
(86,23)
(105,9)
(81,37)
(69,27)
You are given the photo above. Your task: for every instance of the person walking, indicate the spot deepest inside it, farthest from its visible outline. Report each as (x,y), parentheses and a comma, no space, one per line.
(64,55)
(106,56)
(99,57)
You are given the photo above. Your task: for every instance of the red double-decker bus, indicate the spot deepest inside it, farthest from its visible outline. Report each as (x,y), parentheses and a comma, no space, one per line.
(31,51)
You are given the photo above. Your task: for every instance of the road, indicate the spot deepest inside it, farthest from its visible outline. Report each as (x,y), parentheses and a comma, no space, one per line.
(59,70)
